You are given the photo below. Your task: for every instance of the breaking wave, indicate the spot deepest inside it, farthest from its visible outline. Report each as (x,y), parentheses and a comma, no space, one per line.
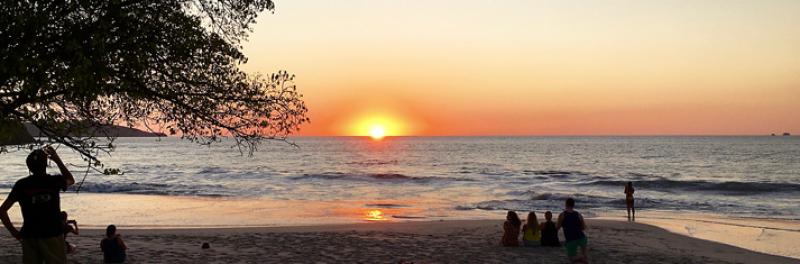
(152,188)
(727,187)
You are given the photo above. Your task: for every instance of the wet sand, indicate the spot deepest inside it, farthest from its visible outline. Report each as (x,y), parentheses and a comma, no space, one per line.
(457,241)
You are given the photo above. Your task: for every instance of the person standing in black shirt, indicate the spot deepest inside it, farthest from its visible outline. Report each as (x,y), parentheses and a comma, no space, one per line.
(573,225)
(42,233)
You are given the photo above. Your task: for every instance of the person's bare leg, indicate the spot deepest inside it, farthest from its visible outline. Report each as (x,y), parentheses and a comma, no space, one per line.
(584,256)
(628,206)
(629,212)
(633,209)
(580,258)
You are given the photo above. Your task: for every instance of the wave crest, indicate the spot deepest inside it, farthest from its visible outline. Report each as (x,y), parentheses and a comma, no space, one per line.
(727,187)
(152,188)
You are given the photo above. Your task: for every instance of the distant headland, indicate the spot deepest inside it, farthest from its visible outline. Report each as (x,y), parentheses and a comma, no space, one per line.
(111,130)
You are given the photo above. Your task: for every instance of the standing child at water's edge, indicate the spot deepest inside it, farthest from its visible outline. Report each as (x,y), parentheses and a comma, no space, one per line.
(629,201)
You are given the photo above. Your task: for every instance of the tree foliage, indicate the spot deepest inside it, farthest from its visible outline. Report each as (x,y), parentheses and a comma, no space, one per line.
(168,65)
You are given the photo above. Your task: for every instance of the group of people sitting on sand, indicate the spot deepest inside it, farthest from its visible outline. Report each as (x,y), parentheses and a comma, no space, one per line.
(45,226)
(546,234)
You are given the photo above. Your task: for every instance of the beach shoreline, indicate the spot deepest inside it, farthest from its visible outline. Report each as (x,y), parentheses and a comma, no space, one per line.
(171,219)
(443,241)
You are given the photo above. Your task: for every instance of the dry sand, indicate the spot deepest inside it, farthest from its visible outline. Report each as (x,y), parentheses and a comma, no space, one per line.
(467,241)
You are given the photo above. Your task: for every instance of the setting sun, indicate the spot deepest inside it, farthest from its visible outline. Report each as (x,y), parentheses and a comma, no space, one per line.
(376,126)
(377,131)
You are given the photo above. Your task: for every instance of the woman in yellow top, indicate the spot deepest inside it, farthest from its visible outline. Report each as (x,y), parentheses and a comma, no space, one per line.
(531,235)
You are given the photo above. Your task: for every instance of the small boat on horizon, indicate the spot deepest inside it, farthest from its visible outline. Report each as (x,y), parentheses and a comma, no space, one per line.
(786,134)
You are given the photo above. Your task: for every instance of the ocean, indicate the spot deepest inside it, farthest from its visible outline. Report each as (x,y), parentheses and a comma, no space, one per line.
(452,177)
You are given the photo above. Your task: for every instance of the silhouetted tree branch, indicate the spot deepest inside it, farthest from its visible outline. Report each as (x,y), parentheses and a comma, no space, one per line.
(68,67)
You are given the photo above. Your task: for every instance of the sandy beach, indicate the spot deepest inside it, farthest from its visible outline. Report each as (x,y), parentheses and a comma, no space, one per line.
(460,241)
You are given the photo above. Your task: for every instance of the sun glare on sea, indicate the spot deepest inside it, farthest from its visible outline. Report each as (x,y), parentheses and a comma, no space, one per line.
(374,215)
(377,132)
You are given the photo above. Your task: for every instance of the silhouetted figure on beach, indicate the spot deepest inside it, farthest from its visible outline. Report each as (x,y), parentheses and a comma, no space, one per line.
(42,233)
(629,201)
(531,231)
(113,247)
(572,223)
(549,231)
(511,230)
(70,226)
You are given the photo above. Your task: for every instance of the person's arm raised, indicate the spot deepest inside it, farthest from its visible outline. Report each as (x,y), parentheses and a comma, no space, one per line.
(68,179)
(6,220)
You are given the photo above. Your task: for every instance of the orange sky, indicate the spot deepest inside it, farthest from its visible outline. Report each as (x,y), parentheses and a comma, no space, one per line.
(538,67)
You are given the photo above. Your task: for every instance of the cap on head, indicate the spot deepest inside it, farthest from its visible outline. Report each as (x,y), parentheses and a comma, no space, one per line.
(37,162)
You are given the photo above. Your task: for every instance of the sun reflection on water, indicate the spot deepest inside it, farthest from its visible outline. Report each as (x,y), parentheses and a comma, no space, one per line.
(374,215)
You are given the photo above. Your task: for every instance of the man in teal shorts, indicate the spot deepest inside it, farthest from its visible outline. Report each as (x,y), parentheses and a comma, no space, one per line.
(573,225)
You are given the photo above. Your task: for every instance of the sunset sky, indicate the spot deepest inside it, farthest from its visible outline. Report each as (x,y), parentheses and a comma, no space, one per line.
(537,67)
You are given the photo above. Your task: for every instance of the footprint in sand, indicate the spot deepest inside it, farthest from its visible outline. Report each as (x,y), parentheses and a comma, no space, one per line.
(691,229)
(765,235)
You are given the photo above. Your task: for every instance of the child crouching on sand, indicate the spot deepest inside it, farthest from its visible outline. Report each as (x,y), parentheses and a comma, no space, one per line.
(511,230)
(530,231)
(113,247)
(549,232)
